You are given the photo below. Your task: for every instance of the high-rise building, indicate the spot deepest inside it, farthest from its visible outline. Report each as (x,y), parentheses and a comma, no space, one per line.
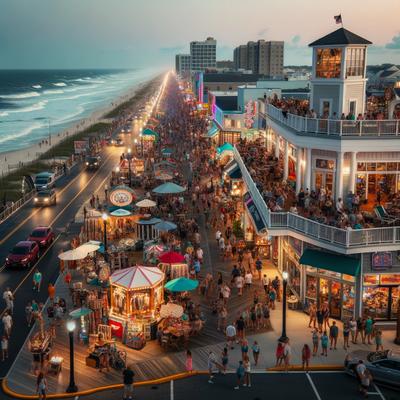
(182,63)
(203,54)
(261,57)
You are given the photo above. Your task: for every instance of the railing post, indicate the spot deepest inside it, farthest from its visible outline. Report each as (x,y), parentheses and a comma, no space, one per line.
(397,127)
(348,238)
(394,234)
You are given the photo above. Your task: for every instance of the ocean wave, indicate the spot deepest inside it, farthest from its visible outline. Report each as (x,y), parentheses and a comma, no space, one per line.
(3,114)
(83,87)
(34,107)
(37,86)
(60,84)
(69,117)
(25,95)
(24,132)
(53,91)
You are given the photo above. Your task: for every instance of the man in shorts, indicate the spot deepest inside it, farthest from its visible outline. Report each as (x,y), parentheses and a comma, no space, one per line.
(128,375)
(230,335)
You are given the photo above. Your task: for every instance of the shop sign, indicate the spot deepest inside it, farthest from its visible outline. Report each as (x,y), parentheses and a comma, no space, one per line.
(390,279)
(116,328)
(381,260)
(120,197)
(255,214)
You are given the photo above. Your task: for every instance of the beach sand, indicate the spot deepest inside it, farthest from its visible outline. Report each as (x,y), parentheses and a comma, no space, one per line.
(31,153)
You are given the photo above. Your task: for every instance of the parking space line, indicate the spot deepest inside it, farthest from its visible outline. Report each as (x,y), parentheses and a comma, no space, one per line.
(171,395)
(379,392)
(313,387)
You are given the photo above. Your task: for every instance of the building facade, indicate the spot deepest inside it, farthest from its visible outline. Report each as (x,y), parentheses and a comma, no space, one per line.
(182,63)
(203,54)
(240,57)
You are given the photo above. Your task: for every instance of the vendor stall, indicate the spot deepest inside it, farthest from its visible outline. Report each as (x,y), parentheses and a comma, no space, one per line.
(136,296)
(173,265)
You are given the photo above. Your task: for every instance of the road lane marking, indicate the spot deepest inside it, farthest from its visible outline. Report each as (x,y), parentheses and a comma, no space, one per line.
(379,392)
(62,211)
(313,386)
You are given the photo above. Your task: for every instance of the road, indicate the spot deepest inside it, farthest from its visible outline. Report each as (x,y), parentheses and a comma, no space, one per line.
(299,386)
(72,191)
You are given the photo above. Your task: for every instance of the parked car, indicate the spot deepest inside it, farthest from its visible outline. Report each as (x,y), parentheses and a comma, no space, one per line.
(45,180)
(24,254)
(92,162)
(45,198)
(42,235)
(383,365)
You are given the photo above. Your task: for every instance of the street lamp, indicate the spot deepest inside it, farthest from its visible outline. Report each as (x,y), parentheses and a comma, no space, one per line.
(72,388)
(105,218)
(129,156)
(285,277)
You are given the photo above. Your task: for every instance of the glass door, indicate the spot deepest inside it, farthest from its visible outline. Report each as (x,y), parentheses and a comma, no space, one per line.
(335,299)
(323,292)
(394,302)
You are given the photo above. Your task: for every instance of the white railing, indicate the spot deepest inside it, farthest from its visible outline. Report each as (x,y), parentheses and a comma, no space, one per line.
(331,127)
(342,238)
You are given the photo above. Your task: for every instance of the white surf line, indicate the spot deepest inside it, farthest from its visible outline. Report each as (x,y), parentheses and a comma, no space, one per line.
(171,391)
(313,387)
(379,392)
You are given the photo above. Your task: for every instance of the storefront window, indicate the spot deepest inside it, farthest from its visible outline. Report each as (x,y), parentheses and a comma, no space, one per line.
(371,166)
(361,166)
(375,302)
(335,301)
(348,301)
(323,291)
(311,287)
(395,301)
(324,164)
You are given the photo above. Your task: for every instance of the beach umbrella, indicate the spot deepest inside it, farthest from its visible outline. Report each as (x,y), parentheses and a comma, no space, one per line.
(169,188)
(165,226)
(80,312)
(146,203)
(120,212)
(89,247)
(73,255)
(181,284)
(171,310)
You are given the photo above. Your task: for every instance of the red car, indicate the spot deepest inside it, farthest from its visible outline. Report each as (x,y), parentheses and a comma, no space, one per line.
(42,235)
(24,254)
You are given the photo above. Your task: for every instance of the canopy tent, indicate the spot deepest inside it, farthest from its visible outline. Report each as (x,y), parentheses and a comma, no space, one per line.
(89,247)
(137,277)
(332,262)
(171,310)
(149,132)
(169,188)
(165,226)
(166,152)
(152,252)
(120,212)
(151,221)
(146,203)
(181,284)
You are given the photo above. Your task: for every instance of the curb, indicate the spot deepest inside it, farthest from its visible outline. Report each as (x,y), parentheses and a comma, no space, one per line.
(318,367)
(158,381)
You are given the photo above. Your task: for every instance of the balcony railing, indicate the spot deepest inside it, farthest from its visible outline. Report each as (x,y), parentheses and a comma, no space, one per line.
(335,128)
(342,238)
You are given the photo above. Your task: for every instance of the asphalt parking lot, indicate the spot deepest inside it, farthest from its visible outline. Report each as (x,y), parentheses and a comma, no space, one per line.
(265,386)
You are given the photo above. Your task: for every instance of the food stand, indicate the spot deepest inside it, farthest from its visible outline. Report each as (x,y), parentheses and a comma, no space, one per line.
(173,265)
(136,296)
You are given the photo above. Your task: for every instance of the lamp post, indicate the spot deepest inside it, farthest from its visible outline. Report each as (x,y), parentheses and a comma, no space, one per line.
(72,388)
(129,156)
(105,218)
(285,277)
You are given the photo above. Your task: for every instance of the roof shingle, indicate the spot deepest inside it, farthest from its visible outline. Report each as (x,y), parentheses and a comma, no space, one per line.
(340,37)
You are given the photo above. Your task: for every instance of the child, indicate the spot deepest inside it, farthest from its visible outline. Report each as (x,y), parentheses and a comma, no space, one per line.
(189,361)
(305,356)
(239,374)
(315,342)
(324,344)
(378,340)
(4,347)
(279,354)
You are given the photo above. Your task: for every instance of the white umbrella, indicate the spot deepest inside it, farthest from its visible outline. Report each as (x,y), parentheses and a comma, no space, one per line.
(171,310)
(73,255)
(146,203)
(89,247)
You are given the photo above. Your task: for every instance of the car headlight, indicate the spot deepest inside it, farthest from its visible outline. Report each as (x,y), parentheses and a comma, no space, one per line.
(7,259)
(36,199)
(46,199)
(24,259)
(87,163)
(95,163)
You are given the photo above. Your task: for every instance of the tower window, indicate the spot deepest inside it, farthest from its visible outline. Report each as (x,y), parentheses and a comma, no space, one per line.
(328,63)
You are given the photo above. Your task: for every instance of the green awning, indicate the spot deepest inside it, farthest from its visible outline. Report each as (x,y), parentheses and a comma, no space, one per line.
(331,262)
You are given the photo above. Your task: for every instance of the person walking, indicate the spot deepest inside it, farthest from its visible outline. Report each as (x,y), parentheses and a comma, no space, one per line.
(128,378)
(230,335)
(305,357)
(224,359)
(256,352)
(353,330)
(378,340)
(259,267)
(333,335)
(221,321)
(276,284)
(189,361)
(279,354)
(320,319)
(240,371)
(8,297)
(210,365)
(346,334)
(240,328)
(7,324)
(324,344)
(315,342)
(51,290)
(369,324)
(29,313)
(244,349)
(247,372)
(287,353)
(313,315)
(37,280)
(41,386)
(4,347)
(265,283)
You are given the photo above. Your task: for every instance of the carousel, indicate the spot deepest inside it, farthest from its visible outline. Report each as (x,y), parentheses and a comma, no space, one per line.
(173,265)
(136,297)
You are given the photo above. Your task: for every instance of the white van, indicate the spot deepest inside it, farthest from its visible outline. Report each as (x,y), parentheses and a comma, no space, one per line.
(45,180)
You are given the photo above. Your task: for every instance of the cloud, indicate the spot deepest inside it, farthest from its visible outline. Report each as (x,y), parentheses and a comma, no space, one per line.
(394,44)
(171,49)
(262,32)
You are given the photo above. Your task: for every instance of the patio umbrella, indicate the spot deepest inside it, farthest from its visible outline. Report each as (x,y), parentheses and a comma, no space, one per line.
(120,212)
(166,152)
(89,247)
(181,285)
(80,312)
(171,310)
(169,188)
(73,255)
(165,226)
(172,257)
(146,203)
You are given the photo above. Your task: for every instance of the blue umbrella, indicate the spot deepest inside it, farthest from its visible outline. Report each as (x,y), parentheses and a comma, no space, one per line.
(181,284)
(120,212)
(165,226)
(169,188)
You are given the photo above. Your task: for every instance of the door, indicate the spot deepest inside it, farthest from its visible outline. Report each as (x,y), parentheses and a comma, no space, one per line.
(325,108)
(330,293)
(353,107)
(324,179)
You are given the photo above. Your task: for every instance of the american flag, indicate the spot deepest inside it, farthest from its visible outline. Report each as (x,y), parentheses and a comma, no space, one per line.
(338,18)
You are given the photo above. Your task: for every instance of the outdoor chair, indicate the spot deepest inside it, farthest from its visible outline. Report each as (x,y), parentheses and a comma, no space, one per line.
(383,215)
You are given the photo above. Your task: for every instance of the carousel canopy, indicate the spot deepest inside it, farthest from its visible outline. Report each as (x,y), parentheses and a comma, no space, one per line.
(165,226)
(181,285)
(146,203)
(169,188)
(172,257)
(137,277)
(120,212)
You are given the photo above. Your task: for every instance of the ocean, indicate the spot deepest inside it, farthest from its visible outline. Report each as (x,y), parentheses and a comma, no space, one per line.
(34,102)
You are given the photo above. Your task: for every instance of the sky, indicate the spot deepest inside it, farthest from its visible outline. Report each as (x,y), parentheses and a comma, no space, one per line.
(139,33)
